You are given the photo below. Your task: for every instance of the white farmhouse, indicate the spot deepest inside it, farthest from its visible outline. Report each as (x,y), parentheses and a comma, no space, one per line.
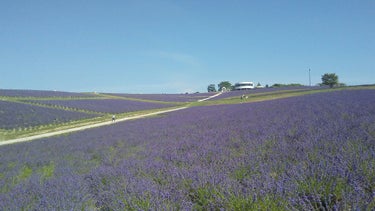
(244,85)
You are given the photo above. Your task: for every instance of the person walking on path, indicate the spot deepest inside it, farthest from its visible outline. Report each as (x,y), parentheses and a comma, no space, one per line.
(113,118)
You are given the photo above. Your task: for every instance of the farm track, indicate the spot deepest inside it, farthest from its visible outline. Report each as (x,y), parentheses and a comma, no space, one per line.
(60,132)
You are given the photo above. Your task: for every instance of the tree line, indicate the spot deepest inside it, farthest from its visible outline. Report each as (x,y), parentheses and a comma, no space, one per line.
(328,79)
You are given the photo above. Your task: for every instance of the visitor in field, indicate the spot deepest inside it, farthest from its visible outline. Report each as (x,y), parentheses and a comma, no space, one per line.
(113,118)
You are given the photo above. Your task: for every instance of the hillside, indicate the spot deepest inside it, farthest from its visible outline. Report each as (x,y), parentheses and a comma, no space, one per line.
(301,150)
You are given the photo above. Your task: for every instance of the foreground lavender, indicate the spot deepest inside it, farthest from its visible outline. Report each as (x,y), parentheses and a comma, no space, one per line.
(15,115)
(314,152)
(104,105)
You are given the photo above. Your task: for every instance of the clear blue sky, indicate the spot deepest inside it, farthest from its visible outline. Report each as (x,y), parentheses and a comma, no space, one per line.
(174,46)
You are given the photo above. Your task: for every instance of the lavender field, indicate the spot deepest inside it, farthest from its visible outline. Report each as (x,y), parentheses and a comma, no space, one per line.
(14,115)
(169,97)
(23,111)
(104,105)
(239,93)
(313,152)
(41,93)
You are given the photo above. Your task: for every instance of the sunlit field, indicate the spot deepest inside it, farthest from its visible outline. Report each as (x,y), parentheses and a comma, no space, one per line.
(309,152)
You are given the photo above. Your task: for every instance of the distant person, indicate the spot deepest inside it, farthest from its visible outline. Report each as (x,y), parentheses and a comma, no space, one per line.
(113,118)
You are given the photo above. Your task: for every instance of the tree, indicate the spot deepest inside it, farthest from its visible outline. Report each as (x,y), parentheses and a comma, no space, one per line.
(225,85)
(211,88)
(330,79)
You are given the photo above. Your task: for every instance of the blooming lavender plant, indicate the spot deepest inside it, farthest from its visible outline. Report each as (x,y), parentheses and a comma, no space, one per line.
(313,152)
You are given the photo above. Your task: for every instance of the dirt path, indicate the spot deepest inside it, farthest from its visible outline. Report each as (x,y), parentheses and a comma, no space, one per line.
(219,93)
(49,134)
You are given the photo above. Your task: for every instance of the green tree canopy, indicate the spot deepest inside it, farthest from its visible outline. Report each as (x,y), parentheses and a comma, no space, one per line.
(211,88)
(330,79)
(225,84)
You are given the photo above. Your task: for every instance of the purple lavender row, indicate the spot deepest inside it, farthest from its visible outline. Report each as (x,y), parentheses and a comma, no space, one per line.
(168,97)
(40,93)
(239,93)
(104,105)
(314,152)
(18,115)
